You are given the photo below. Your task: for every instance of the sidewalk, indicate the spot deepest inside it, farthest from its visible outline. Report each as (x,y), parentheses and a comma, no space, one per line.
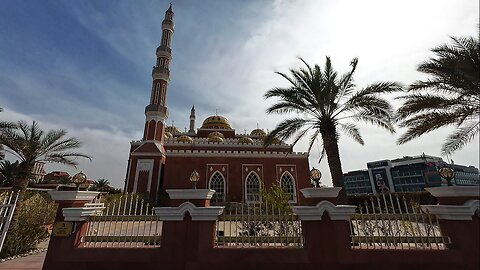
(32,262)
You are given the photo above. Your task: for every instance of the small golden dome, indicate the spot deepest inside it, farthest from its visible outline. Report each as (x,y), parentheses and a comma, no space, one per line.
(275,141)
(216,139)
(185,139)
(168,135)
(216,122)
(216,134)
(258,133)
(172,130)
(245,140)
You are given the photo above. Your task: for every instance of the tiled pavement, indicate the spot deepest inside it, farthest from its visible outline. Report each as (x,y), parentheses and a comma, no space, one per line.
(32,262)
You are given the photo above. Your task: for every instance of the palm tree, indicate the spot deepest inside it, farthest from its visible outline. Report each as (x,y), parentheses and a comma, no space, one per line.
(30,144)
(329,103)
(101,185)
(449,97)
(8,172)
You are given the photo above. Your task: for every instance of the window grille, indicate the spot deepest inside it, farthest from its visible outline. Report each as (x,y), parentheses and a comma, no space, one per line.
(217,183)
(252,184)
(288,185)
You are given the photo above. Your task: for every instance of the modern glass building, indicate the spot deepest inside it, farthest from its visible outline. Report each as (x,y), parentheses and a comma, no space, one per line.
(406,174)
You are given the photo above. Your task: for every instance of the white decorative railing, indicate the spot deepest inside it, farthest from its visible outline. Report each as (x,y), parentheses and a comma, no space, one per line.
(390,222)
(7,208)
(258,225)
(126,222)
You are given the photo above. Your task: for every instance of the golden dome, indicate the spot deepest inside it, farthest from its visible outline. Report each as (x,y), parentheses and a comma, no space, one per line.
(245,140)
(172,130)
(168,135)
(275,141)
(216,122)
(216,139)
(258,133)
(185,138)
(216,134)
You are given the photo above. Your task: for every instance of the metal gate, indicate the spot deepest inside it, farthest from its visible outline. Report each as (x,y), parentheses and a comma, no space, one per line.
(7,208)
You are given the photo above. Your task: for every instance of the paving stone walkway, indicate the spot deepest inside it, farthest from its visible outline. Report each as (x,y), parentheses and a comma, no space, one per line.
(32,262)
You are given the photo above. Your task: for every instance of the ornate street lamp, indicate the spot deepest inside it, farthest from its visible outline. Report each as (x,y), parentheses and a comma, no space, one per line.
(79,179)
(447,173)
(194,177)
(315,176)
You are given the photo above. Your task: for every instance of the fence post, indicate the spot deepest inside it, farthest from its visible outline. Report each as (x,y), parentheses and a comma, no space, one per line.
(189,224)
(325,225)
(69,203)
(458,213)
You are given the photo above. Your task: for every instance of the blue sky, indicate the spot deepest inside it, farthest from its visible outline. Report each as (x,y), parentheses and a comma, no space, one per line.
(85,65)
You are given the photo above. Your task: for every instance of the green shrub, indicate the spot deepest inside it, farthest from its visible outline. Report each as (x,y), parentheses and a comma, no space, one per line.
(24,236)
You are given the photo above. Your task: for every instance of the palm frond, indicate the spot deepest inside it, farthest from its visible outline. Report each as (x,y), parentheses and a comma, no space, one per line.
(352,130)
(460,138)
(287,128)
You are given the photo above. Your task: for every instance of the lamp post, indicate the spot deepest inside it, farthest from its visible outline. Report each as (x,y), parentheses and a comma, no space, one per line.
(194,177)
(315,176)
(79,179)
(448,173)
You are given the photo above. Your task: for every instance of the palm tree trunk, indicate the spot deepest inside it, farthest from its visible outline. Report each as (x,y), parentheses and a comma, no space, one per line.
(19,186)
(330,143)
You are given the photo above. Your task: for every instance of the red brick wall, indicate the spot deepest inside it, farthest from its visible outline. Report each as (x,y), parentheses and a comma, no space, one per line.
(178,170)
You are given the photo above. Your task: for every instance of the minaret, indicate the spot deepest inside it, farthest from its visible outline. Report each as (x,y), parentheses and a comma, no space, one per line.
(147,156)
(192,120)
(156,112)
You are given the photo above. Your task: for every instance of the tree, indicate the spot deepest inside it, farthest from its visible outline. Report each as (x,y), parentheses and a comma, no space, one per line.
(101,185)
(8,172)
(328,101)
(449,97)
(30,144)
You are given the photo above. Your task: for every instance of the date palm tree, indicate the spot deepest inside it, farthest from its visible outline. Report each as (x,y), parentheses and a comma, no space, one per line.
(30,144)
(449,97)
(8,172)
(328,103)
(101,185)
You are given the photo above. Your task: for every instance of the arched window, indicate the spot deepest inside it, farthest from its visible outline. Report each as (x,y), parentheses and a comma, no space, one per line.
(252,188)
(157,93)
(288,185)
(217,183)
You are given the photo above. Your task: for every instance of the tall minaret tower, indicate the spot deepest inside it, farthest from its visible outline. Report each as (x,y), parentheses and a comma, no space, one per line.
(156,112)
(192,120)
(147,156)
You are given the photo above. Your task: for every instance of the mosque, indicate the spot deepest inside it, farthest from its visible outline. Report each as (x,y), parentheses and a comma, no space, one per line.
(236,166)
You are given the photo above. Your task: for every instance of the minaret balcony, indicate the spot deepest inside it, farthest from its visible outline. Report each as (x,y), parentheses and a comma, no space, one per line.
(156,108)
(164,51)
(162,70)
(168,24)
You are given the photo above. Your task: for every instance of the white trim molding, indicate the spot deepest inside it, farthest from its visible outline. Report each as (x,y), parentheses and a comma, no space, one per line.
(454,191)
(336,212)
(82,213)
(197,213)
(454,212)
(321,192)
(73,195)
(190,194)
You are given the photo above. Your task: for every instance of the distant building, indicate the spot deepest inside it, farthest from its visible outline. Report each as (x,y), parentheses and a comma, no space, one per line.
(56,177)
(38,173)
(406,174)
